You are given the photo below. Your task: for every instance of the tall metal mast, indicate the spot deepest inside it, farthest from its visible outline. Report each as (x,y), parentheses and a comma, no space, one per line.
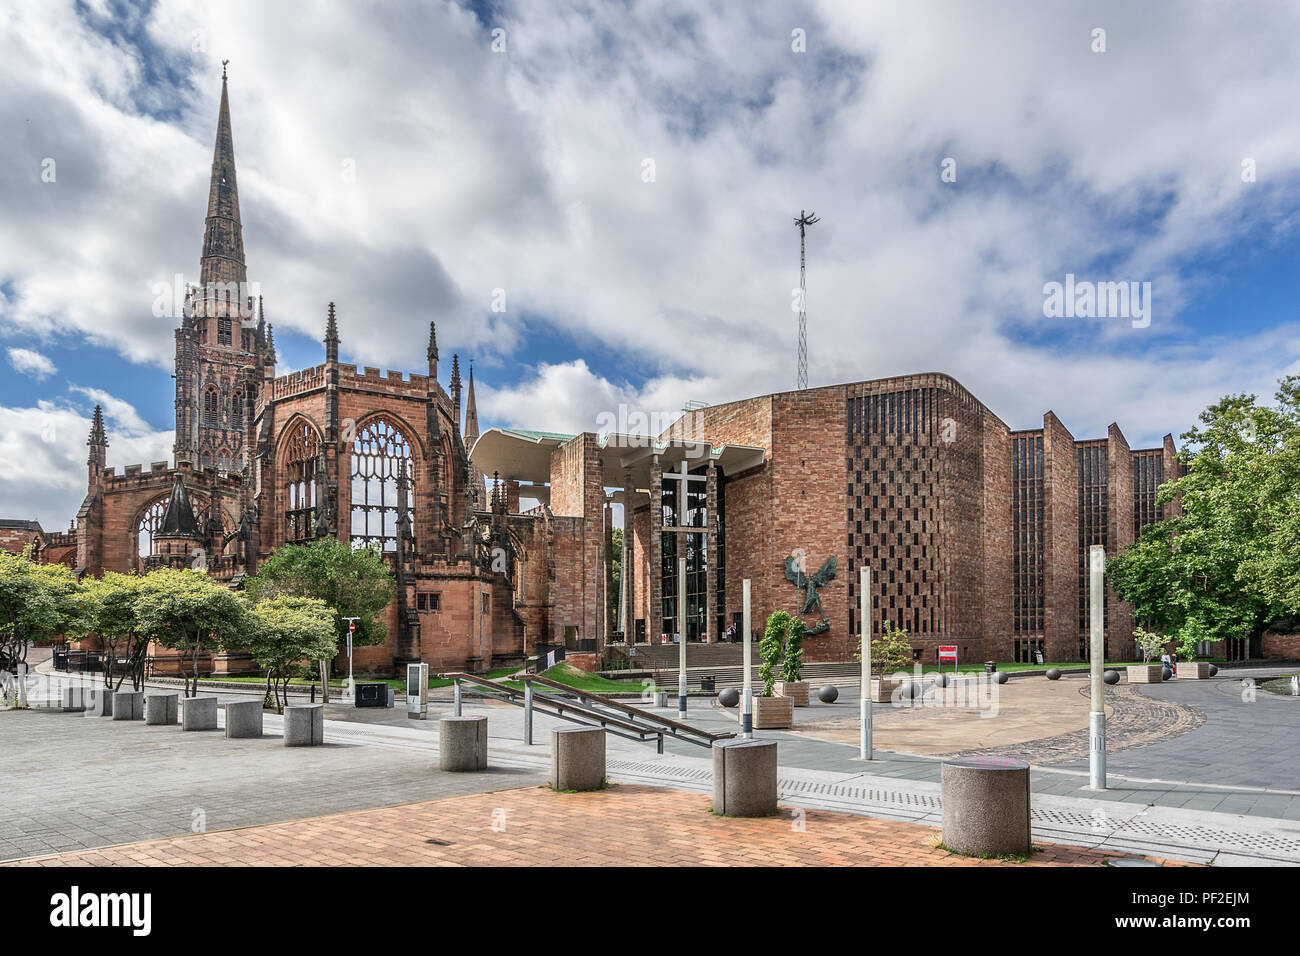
(805,220)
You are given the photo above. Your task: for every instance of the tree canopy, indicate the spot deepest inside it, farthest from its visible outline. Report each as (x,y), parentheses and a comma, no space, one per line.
(290,633)
(1229,564)
(352,583)
(189,612)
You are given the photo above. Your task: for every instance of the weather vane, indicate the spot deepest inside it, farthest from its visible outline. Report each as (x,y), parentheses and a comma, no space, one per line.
(223,68)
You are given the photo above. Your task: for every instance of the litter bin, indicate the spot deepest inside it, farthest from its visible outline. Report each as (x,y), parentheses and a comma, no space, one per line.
(990,667)
(708,683)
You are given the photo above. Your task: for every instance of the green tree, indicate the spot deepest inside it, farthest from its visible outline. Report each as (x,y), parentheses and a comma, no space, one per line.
(770,647)
(792,661)
(890,652)
(110,613)
(38,602)
(289,634)
(1229,564)
(353,583)
(189,612)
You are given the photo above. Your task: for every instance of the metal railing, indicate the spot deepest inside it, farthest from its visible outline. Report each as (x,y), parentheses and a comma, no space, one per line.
(616,717)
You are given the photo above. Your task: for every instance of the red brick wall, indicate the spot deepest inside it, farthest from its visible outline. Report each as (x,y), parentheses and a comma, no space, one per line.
(1060,541)
(1119,534)
(997,631)
(1281,647)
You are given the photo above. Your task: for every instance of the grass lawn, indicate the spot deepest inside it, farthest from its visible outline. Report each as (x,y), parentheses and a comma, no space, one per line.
(581,680)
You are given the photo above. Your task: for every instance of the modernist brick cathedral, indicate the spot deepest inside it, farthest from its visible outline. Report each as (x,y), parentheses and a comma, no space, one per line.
(976,533)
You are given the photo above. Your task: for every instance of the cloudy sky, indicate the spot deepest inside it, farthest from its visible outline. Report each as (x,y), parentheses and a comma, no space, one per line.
(595,202)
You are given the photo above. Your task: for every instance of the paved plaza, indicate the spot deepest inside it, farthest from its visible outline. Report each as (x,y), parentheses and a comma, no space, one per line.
(1201,773)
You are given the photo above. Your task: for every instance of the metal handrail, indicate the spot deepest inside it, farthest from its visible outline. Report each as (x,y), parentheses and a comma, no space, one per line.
(552,706)
(671,727)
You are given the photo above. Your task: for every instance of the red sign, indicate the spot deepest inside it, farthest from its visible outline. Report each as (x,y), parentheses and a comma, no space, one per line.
(947,652)
(352,627)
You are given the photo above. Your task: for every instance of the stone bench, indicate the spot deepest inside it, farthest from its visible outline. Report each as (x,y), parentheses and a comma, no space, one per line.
(986,806)
(160,709)
(577,758)
(244,718)
(304,725)
(462,744)
(744,777)
(128,705)
(199,713)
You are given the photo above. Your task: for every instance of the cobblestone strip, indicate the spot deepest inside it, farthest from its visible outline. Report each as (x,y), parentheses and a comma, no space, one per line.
(1135,721)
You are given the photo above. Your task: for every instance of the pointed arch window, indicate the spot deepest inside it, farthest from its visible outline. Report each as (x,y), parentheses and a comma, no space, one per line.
(210,406)
(237,409)
(377,450)
(300,470)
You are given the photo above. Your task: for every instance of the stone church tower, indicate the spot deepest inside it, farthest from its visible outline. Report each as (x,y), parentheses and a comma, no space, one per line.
(220,360)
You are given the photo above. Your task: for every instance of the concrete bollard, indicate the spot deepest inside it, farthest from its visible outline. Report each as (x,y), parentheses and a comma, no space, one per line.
(462,744)
(577,758)
(162,708)
(128,705)
(986,806)
(74,698)
(199,713)
(744,777)
(244,718)
(304,725)
(98,701)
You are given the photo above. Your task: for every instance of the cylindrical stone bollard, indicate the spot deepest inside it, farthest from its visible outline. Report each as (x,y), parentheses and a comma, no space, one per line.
(161,709)
(304,725)
(986,806)
(128,705)
(243,719)
(199,713)
(74,698)
(98,701)
(462,744)
(577,758)
(744,777)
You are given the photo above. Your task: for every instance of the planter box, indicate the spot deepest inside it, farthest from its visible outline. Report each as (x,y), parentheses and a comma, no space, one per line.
(771,713)
(1144,673)
(1194,670)
(882,690)
(797,691)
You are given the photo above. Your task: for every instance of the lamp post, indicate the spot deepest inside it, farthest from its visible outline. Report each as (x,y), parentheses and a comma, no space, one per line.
(864,706)
(747,698)
(1097,626)
(352,627)
(681,636)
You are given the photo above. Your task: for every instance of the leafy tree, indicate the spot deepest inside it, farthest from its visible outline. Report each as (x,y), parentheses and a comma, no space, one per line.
(37,603)
(353,583)
(769,649)
(189,612)
(890,652)
(289,634)
(110,611)
(1149,643)
(792,662)
(1229,564)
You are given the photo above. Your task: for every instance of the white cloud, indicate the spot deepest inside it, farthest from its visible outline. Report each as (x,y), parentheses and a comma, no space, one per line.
(522,171)
(27,362)
(43,454)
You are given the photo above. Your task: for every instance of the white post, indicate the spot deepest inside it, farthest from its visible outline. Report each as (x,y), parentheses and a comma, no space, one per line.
(681,634)
(1097,622)
(864,742)
(747,698)
(352,688)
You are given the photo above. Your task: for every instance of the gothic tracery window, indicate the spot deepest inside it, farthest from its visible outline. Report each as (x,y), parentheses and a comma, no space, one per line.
(376,451)
(210,406)
(300,469)
(237,410)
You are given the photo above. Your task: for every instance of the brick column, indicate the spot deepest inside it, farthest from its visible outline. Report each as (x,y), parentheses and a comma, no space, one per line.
(655,613)
(711,557)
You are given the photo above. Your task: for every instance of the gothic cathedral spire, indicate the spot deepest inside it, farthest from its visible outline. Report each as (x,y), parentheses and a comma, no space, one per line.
(223,238)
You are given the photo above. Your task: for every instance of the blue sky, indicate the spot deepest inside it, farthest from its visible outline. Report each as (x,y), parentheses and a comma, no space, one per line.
(479,172)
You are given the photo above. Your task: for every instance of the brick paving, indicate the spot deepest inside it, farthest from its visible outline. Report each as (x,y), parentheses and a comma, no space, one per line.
(623,825)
